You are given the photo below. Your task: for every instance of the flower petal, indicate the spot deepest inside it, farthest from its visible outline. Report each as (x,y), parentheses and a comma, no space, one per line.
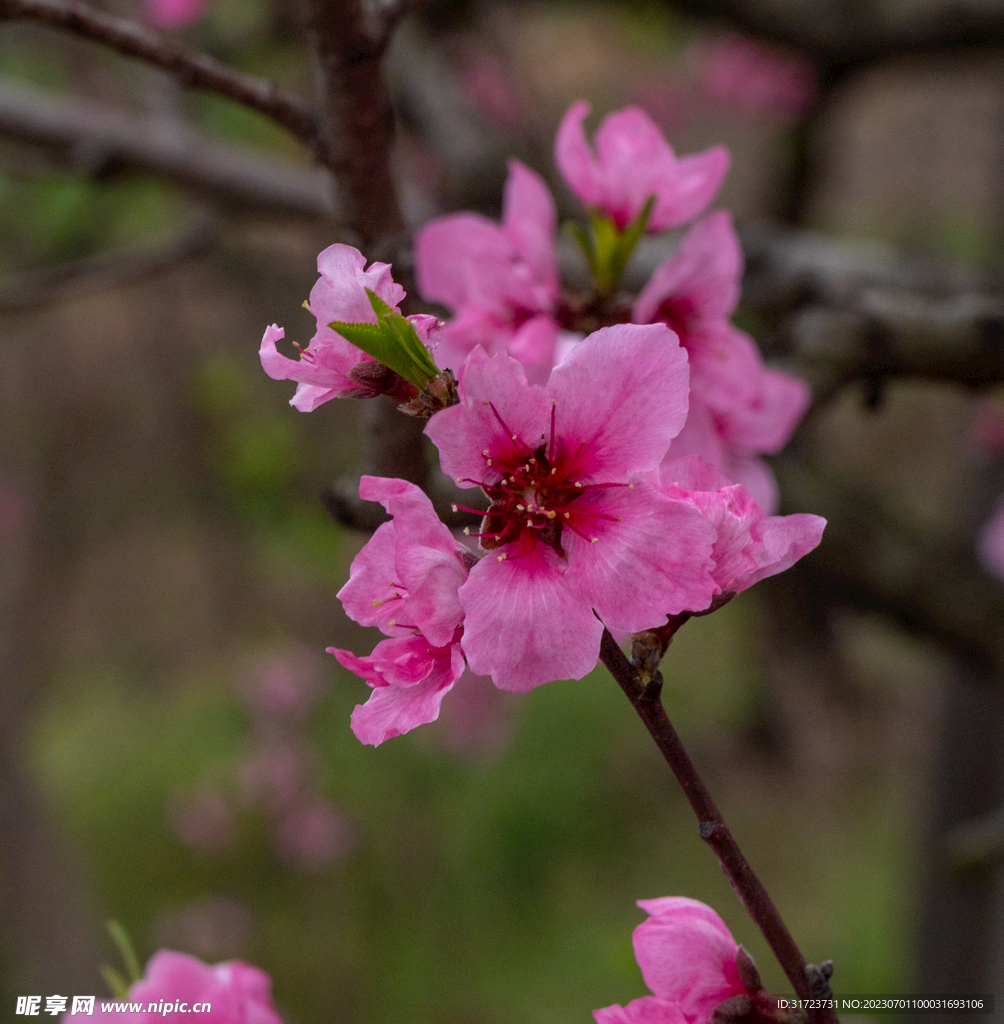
(523,626)
(651,557)
(622,395)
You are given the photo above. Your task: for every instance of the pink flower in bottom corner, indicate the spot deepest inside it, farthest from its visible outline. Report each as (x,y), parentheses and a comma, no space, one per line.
(228,993)
(693,966)
(576,536)
(632,162)
(405,581)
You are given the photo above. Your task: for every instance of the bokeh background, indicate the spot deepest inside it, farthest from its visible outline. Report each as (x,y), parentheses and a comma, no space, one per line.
(174,743)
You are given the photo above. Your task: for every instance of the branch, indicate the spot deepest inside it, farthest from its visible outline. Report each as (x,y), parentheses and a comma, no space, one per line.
(189,66)
(104,139)
(855,311)
(358,121)
(841,37)
(82,277)
(808,981)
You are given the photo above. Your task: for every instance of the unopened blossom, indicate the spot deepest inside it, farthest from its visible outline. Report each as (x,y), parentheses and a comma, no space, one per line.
(405,581)
(575,536)
(740,409)
(749,545)
(330,366)
(632,162)
(694,967)
(500,280)
(235,992)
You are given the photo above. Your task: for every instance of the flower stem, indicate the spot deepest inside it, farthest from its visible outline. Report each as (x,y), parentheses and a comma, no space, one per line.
(647,701)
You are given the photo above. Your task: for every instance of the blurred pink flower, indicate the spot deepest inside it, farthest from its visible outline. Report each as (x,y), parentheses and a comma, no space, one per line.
(740,409)
(689,959)
(988,427)
(275,774)
(203,820)
(632,162)
(332,367)
(236,993)
(488,85)
(282,686)
(175,14)
(500,280)
(755,78)
(313,834)
(572,526)
(990,543)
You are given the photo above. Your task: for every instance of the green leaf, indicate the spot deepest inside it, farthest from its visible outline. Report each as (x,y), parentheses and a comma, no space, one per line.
(393,341)
(118,986)
(125,947)
(584,240)
(629,238)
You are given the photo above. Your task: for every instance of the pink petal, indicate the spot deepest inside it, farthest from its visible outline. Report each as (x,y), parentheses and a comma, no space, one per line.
(651,557)
(574,158)
(523,625)
(647,1010)
(529,222)
(534,346)
(493,392)
(392,711)
(340,293)
(705,271)
(766,423)
(374,596)
(622,395)
(687,955)
(687,188)
(785,539)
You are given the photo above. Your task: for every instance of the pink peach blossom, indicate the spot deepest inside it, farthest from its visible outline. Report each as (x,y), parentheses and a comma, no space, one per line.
(500,280)
(236,993)
(325,368)
(740,409)
(689,959)
(749,545)
(632,162)
(755,78)
(405,581)
(573,530)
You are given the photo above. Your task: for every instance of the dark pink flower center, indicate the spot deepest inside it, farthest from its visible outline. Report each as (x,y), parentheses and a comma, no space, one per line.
(537,496)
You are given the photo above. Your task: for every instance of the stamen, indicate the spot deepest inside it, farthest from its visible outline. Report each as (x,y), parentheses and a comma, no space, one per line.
(577,484)
(631,487)
(467,529)
(595,540)
(502,557)
(552,514)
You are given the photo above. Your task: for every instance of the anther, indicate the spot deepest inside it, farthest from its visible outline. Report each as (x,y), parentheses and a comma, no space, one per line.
(552,514)
(566,515)
(529,522)
(467,529)
(631,487)
(392,622)
(502,557)
(577,484)
(454,507)
(521,507)
(595,540)
(489,461)
(486,452)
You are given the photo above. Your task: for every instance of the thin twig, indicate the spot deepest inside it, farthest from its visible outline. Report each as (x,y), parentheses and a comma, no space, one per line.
(647,701)
(190,67)
(100,139)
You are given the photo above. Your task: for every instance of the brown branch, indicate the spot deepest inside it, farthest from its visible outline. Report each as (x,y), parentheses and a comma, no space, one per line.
(101,139)
(808,981)
(840,37)
(190,67)
(108,270)
(357,117)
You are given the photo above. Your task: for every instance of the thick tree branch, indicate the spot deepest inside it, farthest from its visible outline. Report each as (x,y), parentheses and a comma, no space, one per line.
(100,139)
(190,67)
(840,37)
(349,45)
